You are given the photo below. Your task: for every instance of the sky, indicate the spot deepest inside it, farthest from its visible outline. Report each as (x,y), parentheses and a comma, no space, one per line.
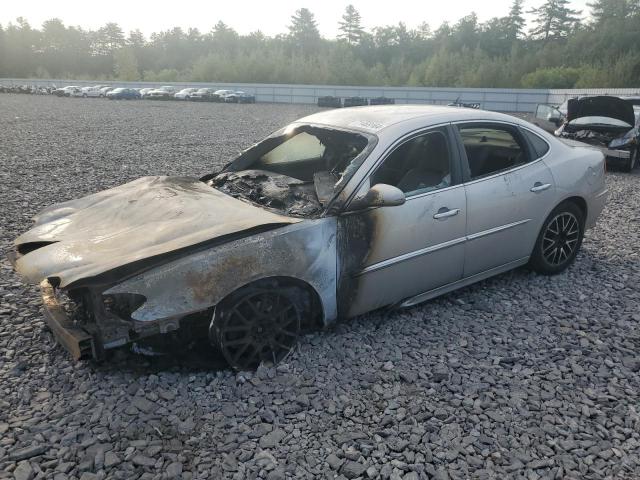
(271,17)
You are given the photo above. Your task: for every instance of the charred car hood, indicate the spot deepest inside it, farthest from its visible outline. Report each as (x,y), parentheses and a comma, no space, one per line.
(145,218)
(601,106)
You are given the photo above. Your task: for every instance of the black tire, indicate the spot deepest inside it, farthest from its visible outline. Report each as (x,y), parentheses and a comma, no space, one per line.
(559,240)
(255,325)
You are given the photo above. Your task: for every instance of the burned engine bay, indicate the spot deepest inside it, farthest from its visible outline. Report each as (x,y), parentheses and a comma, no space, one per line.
(591,137)
(296,171)
(280,192)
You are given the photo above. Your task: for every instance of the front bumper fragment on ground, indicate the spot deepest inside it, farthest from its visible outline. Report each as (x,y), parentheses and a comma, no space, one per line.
(73,338)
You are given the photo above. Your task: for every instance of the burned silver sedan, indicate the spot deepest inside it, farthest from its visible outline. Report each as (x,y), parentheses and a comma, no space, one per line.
(335,215)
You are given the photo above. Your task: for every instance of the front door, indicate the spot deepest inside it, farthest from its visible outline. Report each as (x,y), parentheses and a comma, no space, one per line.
(392,253)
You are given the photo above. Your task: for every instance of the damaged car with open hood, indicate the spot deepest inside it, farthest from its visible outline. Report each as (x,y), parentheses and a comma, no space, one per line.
(337,214)
(608,123)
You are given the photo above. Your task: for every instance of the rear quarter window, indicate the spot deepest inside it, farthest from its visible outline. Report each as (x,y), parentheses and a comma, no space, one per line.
(540,146)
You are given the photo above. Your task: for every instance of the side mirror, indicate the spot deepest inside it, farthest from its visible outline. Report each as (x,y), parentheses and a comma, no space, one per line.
(380,195)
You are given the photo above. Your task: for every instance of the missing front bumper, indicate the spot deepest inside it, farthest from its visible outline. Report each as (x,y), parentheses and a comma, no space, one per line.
(73,338)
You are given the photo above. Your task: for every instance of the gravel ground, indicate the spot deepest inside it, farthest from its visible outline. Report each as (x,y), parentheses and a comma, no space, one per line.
(520,376)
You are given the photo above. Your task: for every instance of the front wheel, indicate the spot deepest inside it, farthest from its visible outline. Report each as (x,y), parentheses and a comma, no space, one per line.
(559,240)
(256,325)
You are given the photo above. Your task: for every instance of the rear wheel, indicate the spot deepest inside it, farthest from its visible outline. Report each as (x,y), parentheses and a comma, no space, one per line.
(559,240)
(256,325)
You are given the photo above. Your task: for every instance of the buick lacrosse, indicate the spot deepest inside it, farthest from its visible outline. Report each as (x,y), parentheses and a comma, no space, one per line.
(337,214)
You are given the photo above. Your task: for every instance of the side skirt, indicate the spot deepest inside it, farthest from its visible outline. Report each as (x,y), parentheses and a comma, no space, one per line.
(436,292)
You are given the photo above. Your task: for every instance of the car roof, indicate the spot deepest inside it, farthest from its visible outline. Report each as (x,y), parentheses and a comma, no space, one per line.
(374,119)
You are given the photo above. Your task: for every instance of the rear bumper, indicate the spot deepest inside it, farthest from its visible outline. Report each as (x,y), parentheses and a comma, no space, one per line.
(73,338)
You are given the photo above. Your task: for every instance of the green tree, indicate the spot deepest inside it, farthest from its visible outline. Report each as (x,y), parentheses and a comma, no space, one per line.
(108,39)
(515,21)
(303,31)
(606,10)
(126,64)
(553,19)
(350,27)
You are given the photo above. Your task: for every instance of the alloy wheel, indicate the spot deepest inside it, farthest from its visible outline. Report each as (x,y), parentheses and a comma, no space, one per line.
(560,238)
(259,327)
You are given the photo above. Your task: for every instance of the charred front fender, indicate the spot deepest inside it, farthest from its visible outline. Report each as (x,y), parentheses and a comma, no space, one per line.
(305,251)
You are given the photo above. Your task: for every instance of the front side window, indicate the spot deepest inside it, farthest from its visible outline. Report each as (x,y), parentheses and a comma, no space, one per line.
(491,149)
(419,165)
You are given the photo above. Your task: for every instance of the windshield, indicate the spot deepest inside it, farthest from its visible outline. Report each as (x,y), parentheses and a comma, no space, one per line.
(297,170)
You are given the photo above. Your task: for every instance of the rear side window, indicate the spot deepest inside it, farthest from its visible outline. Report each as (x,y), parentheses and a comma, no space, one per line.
(492,149)
(540,147)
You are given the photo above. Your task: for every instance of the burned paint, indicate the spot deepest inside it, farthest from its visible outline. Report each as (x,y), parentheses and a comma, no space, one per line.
(306,252)
(356,232)
(95,234)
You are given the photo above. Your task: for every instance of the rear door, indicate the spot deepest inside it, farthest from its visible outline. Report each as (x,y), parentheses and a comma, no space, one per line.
(509,191)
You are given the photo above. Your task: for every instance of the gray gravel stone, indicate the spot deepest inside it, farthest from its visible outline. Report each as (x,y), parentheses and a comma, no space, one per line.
(518,376)
(272,438)
(174,470)
(351,469)
(24,471)
(28,452)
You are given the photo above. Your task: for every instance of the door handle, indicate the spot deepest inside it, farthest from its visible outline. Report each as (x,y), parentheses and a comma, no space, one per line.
(539,187)
(444,212)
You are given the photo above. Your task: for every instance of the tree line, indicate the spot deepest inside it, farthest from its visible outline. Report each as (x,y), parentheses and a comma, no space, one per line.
(560,48)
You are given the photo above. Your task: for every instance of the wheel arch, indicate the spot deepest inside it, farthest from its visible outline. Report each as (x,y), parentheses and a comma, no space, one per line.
(310,300)
(577,200)
(580,202)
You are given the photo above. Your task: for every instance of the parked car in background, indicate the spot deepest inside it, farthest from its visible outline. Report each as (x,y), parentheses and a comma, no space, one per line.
(204,95)
(548,117)
(240,97)
(93,91)
(75,92)
(162,93)
(184,93)
(65,91)
(608,123)
(334,215)
(329,101)
(223,94)
(106,89)
(145,91)
(123,94)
